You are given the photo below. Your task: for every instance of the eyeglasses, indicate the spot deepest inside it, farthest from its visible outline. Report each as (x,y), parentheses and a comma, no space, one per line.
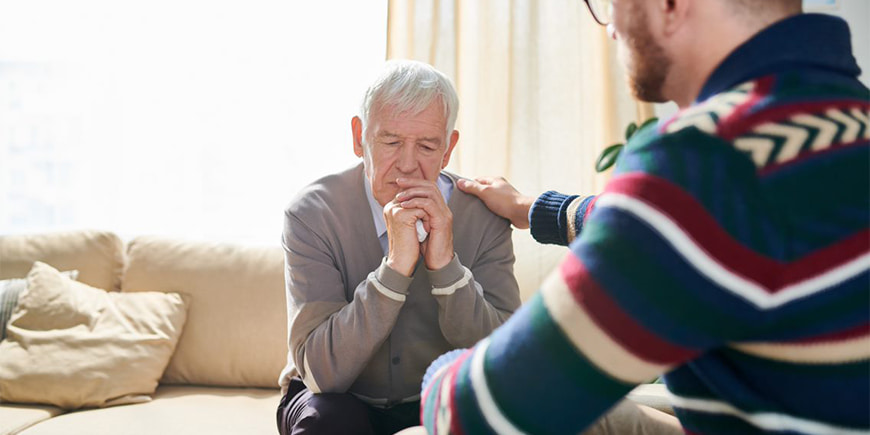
(602,10)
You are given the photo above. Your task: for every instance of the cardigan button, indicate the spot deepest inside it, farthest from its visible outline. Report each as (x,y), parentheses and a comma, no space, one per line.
(396,360)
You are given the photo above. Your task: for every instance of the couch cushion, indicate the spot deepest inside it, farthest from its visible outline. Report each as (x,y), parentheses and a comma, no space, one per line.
(236,331)
(98,256)
(15,418)
(72,345)
(176,410)
(10,289)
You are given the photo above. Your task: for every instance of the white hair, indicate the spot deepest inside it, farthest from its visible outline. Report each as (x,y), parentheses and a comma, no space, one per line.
(409,86)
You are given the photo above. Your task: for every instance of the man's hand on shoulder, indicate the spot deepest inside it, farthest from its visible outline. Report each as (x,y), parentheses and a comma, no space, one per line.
(501,198)
(424,195)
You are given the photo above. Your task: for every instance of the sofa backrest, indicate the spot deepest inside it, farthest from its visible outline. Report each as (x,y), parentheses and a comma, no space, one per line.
(236,330)
(97,255)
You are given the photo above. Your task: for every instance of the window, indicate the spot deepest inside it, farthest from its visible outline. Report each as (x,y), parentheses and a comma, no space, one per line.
(179,118)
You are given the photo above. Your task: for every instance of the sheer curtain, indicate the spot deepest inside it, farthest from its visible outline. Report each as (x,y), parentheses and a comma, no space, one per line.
(540,92)
(185,118)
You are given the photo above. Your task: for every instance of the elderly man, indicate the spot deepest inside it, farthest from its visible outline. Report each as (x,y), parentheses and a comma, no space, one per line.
(388,265)
(730,250)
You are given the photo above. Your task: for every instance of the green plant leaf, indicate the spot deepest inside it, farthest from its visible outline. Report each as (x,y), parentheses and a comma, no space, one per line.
(608,157)
(648,122)
(629,131)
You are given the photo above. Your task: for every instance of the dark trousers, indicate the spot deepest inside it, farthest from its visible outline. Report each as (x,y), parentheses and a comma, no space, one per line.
(302,412)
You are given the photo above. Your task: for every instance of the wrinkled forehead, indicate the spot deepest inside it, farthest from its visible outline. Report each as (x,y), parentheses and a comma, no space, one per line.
(391,119)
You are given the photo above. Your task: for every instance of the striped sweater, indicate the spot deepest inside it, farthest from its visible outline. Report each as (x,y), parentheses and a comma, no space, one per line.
(730,251)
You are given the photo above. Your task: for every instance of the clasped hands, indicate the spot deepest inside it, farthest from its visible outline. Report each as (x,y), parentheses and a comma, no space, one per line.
(418,200)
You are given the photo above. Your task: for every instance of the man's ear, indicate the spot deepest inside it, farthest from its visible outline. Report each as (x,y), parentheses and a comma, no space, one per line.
(454,138)
(674,13)
(356,128)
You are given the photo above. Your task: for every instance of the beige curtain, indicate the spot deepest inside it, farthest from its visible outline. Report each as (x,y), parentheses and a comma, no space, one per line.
(540,95)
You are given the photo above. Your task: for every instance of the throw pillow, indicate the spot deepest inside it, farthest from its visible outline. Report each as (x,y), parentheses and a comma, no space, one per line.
(9,291)
(75,346)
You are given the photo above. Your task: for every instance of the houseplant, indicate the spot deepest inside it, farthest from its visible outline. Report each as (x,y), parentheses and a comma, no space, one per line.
(608,157)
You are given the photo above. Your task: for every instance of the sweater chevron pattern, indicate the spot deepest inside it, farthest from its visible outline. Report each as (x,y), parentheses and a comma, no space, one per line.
(730,251)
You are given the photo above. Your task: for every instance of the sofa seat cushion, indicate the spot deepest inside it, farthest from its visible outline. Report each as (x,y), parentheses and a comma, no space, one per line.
(97,255)
(236,331)
(15,418)
(176,410)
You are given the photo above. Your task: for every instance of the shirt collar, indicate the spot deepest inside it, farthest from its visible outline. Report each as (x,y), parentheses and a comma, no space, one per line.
(444,183)
(805,40)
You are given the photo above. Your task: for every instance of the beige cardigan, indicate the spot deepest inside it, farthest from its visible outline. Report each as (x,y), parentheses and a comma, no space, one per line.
(355,324)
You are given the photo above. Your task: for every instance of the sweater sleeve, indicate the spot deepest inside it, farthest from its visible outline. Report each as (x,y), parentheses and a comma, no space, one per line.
(474,300)
(331,339)
(557,219)
(639,294)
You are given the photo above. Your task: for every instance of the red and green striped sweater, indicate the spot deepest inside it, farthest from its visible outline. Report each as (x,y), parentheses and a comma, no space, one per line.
(730,252)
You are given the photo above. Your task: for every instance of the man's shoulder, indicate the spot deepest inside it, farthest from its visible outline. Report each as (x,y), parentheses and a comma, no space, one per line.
(469,209)
(689,140)
(770,120)
(693,128)
(333,192)
(708,115)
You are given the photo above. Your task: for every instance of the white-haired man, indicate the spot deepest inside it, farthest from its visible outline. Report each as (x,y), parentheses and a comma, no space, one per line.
(730,250)
(373,296)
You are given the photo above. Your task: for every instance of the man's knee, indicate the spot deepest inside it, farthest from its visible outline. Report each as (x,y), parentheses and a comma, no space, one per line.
(337,413)
(630,418)
(327,413)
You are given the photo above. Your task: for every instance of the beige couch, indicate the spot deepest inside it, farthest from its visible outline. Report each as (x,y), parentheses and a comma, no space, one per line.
(222,377)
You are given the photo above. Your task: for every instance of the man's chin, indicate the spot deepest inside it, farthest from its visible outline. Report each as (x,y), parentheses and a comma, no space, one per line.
(650,98)
(646,92)
(387,193)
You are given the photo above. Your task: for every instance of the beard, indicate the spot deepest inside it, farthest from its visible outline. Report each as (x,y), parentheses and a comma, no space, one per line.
(647,65)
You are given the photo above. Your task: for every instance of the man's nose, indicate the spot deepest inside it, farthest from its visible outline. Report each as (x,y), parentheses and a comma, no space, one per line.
(407,159)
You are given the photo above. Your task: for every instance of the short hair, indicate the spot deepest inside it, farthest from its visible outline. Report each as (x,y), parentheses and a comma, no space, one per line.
(755,7)
(410,87)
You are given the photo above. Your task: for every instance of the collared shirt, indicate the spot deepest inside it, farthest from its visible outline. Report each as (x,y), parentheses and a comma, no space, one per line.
(444,185)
